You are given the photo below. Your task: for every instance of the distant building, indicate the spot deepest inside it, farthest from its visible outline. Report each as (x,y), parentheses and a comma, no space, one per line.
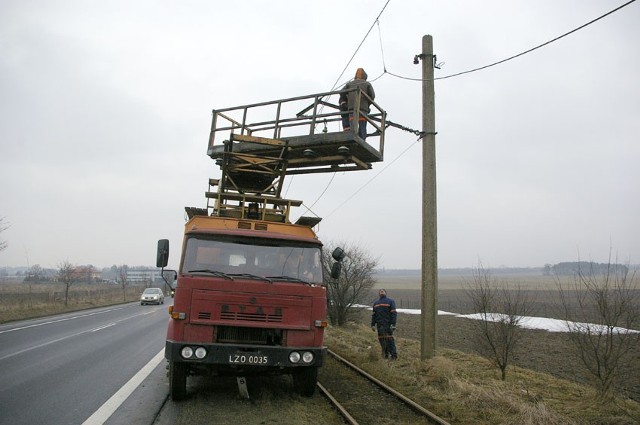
(142,275)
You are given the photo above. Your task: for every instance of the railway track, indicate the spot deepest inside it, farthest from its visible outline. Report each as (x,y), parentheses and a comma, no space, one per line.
(362,399)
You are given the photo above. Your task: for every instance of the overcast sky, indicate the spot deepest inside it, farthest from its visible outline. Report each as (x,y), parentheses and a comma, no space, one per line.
(105,112)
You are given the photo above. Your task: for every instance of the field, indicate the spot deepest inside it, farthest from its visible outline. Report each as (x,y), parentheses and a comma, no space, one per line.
(23,301)
(530,384)
(542,291)
(541,351)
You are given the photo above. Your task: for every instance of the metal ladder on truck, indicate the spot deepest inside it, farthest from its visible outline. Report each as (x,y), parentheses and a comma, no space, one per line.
(263,143)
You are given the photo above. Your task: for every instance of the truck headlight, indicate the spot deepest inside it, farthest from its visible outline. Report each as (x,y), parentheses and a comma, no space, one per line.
(201,352)
(294,357)
(307,357)
(186,352)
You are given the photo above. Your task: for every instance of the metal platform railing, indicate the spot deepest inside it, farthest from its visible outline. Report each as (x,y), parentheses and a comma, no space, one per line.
(308,127)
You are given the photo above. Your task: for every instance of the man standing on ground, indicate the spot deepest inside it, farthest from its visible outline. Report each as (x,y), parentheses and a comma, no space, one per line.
(384,318)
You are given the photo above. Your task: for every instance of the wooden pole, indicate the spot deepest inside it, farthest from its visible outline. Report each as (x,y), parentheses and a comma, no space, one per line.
(429,206)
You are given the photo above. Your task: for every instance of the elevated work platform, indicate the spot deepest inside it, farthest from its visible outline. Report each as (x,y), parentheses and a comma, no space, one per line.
(305,131)
(257,145)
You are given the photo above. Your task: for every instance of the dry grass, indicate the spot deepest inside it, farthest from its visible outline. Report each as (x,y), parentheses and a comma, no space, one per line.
(215,400)
(22,301)
(466,389)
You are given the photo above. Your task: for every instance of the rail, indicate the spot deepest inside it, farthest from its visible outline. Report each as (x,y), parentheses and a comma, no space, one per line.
(349,416)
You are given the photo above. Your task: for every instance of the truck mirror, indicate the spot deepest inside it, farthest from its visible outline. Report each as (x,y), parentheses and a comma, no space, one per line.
(169,276)
(163,253)
(338,254)
(336,269)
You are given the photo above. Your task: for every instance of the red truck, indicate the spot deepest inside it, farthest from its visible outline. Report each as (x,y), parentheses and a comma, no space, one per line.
(250,295)
(249,300)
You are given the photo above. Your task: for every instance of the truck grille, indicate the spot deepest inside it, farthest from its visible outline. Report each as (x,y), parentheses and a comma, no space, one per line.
(227,334)
(251,317)
(240,316)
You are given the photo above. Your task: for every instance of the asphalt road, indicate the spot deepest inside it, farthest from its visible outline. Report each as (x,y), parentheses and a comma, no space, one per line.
(95,366)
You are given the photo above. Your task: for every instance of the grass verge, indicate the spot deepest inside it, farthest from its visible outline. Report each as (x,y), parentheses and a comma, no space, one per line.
(20,302)
(466,389)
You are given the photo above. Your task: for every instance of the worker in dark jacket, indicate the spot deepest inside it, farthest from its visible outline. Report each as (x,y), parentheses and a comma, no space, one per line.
(348,102)
(384,319)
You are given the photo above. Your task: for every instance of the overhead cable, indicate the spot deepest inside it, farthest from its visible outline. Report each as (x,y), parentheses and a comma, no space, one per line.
(519,54)
(360,45)
(376,21)
(371,179)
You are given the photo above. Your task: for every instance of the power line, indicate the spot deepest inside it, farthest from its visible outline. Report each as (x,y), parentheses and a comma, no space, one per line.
(359,45)
(438,78)
(519,54)
(384,65)
(372,178)
(320,196)
(376,21)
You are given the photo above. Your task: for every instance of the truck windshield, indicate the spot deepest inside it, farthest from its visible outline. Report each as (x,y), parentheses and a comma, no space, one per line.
(276,260)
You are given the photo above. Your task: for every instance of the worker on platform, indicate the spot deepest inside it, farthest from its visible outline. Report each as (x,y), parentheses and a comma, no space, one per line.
(348,100)
(383,319)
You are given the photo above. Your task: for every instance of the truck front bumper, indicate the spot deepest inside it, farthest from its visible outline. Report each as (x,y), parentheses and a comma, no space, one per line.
(244,356)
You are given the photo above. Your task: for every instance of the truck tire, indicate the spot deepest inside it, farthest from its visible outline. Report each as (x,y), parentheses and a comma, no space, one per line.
(177,381)
(305,380)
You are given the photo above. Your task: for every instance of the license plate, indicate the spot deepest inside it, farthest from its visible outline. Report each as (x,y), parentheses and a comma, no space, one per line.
(250,359)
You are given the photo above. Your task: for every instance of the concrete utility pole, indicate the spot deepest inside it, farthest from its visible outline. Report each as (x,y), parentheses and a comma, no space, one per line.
(429,206)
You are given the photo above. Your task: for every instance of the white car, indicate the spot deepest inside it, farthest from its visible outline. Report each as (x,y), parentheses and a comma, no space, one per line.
(152,296)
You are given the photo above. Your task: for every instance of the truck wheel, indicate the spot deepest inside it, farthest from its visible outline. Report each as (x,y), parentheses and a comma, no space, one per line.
(305,380)
(177,381)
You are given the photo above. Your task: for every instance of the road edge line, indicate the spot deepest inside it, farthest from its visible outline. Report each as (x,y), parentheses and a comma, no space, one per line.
(105,411)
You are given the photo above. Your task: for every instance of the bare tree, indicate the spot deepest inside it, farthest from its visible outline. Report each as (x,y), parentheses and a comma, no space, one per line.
(121,277)
(35,274)
(603,318)
(353,285)
(68,275)
(86,273)
(3,227)
(501,310)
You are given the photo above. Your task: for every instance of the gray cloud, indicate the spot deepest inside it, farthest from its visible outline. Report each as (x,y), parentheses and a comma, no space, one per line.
(105,114)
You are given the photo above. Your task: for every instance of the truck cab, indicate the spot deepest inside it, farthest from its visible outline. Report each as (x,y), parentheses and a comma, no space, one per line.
(249,300)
